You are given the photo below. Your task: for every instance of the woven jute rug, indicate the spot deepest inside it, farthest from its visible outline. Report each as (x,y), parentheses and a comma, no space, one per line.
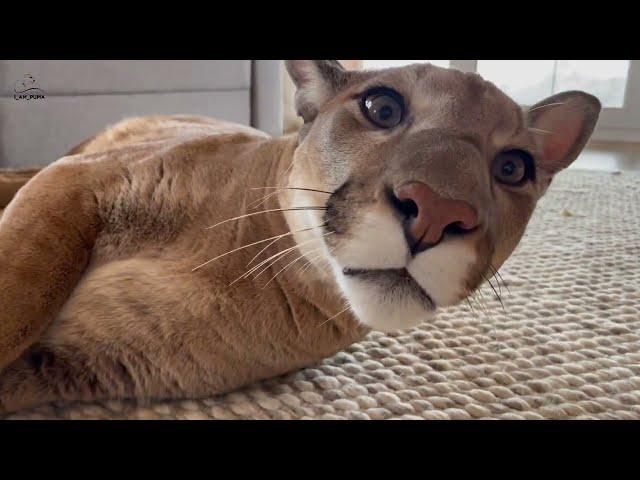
(565,345)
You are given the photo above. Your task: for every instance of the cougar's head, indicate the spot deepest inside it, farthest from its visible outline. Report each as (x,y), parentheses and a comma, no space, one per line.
(434,174)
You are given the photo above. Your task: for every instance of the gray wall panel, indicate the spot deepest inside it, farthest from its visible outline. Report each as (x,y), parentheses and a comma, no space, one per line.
(38,132)
(73,77)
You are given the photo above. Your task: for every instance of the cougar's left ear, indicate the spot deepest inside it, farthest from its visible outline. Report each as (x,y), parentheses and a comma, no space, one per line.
(317,81)
(562,125)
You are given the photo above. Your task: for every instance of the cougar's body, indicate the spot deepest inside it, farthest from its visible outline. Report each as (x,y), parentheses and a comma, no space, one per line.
(112,286)
(140,323)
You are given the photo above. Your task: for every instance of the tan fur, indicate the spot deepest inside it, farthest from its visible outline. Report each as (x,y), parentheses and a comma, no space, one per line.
(99,297)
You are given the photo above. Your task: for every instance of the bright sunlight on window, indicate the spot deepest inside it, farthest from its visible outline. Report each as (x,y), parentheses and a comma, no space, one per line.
(528,81)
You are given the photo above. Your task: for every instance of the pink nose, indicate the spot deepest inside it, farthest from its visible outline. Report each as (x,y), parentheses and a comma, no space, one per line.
(430,215)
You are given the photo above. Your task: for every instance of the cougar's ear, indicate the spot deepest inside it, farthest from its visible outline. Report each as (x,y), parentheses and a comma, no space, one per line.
(562,125)
(316,82)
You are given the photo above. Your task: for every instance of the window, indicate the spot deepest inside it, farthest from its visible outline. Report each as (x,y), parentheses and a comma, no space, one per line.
(528,81)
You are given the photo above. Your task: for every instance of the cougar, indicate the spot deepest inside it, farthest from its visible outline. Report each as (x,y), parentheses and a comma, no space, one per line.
(181,257)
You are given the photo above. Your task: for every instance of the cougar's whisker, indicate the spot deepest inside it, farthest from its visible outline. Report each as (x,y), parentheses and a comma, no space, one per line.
(315,257)
(280,257)
(539,130)
(546,105)
(258,265)
(503,282)
(478,296)
(469,303)
(291,188)
(276,237)
(277,190)
(334,316)
(479,299)
(287,251)
(288,169)
(497,274)
(237,249)
(258,254)
(288,265)
(247,273)
(282,236)
(308,263)
(266,211)
(494,290)
(324,267)
(497,279)
(262,200)
(275,256)
(488,280)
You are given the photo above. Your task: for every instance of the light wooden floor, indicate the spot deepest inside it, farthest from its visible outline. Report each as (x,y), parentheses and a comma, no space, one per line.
(609,156)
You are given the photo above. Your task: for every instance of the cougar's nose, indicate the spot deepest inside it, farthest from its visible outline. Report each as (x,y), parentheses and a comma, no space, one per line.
(429,215)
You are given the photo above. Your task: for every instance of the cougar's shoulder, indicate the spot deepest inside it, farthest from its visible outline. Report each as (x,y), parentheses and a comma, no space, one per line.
(156,177)
(161,128)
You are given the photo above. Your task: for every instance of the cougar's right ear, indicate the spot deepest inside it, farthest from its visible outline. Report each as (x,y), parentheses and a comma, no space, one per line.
(316,81)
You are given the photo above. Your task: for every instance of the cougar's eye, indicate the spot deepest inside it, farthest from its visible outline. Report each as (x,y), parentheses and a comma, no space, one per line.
(513,167)
(383,107)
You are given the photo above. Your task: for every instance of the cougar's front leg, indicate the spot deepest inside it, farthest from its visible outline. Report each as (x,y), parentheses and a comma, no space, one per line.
(46,236)
(40,376)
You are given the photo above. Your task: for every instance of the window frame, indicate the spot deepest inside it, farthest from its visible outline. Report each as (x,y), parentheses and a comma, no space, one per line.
(614,124)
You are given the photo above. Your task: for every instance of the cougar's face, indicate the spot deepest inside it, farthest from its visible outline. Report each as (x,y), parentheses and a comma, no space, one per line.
(434,174)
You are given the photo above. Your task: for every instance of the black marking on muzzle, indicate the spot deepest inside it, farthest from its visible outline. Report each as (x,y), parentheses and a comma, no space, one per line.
(336,216)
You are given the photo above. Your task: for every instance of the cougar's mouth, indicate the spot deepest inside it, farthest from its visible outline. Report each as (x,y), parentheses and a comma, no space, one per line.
(395,281)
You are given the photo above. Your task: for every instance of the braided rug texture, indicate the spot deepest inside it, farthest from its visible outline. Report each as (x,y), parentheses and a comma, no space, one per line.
(566,345)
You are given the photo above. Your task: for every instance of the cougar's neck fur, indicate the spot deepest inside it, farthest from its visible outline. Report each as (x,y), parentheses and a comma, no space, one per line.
(309,290)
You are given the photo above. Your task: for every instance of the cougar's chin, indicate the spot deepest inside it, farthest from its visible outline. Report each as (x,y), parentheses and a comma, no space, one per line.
(386,286)
(396,293)
(386,299)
